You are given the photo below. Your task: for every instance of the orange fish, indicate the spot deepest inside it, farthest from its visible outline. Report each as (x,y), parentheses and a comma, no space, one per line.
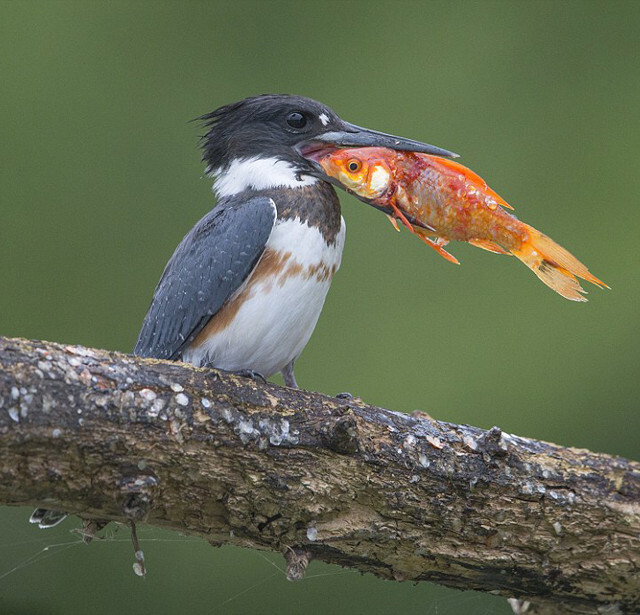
(440,200)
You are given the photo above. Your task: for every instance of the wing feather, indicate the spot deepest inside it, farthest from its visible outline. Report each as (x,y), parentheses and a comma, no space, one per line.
(208,266)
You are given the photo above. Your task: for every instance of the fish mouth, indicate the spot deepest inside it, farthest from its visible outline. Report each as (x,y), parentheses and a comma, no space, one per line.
(315,151)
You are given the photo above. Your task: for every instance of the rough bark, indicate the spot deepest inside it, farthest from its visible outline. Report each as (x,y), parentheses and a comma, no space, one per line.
(108,436)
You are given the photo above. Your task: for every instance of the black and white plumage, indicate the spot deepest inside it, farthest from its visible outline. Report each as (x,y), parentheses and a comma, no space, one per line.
(245,287)
(249,280)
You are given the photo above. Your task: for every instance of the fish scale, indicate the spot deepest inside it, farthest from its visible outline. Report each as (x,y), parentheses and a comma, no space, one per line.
(440,200)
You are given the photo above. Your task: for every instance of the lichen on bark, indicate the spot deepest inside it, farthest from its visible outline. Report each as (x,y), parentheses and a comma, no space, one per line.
(109,436)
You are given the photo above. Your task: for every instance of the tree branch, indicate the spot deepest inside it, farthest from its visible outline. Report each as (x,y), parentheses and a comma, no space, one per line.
(112,437)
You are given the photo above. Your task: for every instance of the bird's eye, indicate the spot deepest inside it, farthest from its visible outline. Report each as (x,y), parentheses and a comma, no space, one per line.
(296,120)
(354,165)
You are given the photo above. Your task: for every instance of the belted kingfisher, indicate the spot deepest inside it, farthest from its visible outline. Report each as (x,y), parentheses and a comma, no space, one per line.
(244,289)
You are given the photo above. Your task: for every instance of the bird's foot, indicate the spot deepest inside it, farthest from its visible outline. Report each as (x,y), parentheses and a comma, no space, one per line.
(350,399)
(288,375)
(345,395)
(251,374)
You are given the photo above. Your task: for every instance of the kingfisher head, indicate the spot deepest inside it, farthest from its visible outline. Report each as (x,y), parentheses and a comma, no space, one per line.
(273,140)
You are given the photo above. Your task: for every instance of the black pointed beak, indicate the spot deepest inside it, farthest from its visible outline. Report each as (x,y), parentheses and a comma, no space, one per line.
(355,136)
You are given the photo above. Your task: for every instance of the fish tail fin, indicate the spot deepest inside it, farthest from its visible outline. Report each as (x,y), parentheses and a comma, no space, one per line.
(555,266)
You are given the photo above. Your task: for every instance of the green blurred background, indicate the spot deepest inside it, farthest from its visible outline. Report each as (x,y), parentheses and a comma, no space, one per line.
(101,177)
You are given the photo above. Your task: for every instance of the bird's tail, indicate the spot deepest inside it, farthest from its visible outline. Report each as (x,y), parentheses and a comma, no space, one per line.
(555,266)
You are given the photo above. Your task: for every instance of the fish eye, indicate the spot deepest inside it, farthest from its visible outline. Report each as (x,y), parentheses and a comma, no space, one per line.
(295,119)
(354,165)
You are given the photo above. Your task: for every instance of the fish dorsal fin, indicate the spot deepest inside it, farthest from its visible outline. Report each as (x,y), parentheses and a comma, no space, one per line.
(472,177)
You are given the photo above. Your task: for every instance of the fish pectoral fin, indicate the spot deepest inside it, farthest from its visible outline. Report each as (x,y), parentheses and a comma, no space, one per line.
(397,212)
(438,246)
(413,225)
(489,246)
(394,222)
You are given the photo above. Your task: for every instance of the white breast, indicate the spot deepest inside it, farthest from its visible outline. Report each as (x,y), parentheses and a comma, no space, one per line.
(274,324)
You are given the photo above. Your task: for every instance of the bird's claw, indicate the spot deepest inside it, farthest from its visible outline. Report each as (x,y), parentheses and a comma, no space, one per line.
(345,395)
(251,374)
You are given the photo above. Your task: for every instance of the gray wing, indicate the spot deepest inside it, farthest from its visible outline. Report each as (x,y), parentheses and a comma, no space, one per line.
(211,262)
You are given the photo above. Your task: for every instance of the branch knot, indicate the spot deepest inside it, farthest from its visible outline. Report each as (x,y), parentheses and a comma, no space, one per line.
(138,492)
(297,561)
